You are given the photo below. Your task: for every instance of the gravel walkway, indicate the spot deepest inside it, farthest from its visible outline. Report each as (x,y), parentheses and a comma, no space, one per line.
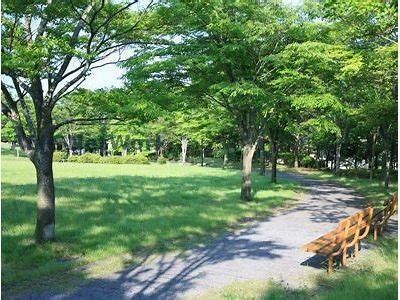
(267,249)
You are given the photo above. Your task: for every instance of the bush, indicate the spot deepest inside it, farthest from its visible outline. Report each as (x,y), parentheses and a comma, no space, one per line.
(115,160)
(139,158)
(307,162)
(60,156)
(288,158)
(162,160)
(88,158)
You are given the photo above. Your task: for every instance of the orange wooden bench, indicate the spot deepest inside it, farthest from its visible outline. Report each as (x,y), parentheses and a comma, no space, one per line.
(382,216)
(347,234)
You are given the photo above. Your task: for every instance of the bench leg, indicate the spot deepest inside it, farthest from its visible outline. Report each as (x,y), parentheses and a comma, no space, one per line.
(344,257)
(357,248)
(375,233)
(330,265)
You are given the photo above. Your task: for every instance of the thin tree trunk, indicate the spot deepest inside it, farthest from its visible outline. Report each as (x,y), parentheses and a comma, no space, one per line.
(248,152)
(385,155)
(372,158)
(274,156)
(296,152)
(337,156)
(225,162)
(393,153)
(327,159)
(70,143)
(296,159)
(43,161)
(202,156)
(184,143)
(262,157)
(385,168)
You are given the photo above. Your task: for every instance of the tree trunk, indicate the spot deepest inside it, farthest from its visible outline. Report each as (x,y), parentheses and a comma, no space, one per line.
(393,153)
(274,156)
(385,168)
(372,158)
(327,159)
(43,161)
(225,162)
(125,151)
(262,157)
(158,146)
(296,152)
(70,143)
(184,143)
(296,159)
(247,154)
(202,156)
(385,155)
(337,156)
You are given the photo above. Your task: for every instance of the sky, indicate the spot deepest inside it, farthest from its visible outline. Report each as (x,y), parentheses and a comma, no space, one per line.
(110,76)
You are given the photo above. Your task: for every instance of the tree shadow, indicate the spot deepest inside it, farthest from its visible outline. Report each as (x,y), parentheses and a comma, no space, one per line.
(125,214)
(170,276)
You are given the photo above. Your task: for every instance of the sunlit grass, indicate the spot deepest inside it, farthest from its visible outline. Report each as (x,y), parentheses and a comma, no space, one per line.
(107,210)
(373,190)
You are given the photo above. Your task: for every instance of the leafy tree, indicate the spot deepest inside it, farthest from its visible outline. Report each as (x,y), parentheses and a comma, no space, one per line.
(219,55)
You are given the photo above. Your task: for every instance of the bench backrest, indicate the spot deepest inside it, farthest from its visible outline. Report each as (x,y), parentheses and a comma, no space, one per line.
(393,204)
(356,226)
(389,209)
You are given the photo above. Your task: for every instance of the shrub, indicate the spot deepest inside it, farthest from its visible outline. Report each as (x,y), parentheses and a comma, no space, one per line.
(139,158)
(60,156)
(73,158)
(288,158)
(307,162)
(115,160)
(162,160)
(89,158)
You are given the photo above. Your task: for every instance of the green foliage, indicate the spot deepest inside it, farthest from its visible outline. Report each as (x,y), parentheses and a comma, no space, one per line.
(162,160)
(307,162)
(86,158)
(288,158)
(140,158)
(60,156)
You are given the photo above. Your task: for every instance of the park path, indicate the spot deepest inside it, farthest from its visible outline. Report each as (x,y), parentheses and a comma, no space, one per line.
(267,249)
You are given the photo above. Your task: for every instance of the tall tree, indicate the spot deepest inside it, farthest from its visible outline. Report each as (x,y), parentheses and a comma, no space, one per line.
(219,54)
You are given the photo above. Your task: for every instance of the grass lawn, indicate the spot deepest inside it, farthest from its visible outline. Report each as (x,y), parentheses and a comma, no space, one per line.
(373,190)
(105,210)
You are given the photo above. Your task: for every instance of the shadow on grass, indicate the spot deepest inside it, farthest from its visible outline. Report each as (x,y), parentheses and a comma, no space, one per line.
(100,217)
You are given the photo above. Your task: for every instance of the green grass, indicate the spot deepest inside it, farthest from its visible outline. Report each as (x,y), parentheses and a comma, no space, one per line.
(373,276)
(105,210)
(373,190)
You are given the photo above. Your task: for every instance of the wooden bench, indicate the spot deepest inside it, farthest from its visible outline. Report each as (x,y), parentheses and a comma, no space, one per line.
(347,234)
(382,216)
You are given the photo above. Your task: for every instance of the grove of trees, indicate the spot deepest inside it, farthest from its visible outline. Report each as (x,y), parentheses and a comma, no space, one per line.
(249,82)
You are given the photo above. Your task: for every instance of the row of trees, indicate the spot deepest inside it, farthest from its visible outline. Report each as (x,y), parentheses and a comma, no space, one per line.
(318,80)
